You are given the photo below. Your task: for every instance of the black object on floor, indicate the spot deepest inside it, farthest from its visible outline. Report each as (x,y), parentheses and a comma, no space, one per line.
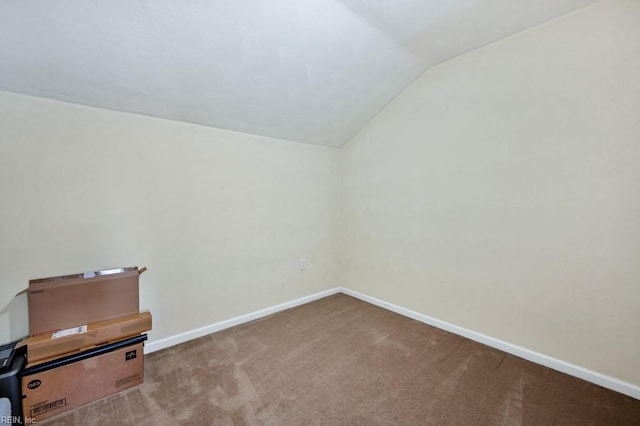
(10,384)
(6,355)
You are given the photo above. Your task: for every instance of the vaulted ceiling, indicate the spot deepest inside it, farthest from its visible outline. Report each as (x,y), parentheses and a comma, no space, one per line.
(313,71)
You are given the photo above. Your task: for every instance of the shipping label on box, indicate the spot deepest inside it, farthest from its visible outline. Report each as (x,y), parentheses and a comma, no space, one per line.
(45,346)
(59,389)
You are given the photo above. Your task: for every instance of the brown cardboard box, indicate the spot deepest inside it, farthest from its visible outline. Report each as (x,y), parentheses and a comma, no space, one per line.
(62,388)
(61,302)
(44,346)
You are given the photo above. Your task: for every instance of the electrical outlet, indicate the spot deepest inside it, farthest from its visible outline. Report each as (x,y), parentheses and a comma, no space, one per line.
(302,264)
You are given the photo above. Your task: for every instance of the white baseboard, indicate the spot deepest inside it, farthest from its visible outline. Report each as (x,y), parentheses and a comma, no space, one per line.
(156,345)
(536,357)
(556,364)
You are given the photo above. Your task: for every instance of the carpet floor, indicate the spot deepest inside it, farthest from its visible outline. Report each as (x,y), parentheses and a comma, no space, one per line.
(341,361)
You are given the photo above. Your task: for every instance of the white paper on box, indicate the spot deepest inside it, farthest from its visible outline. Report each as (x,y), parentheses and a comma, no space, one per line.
(69,331)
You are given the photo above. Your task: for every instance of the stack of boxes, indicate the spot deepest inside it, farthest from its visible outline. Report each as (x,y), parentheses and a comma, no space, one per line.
(86,340)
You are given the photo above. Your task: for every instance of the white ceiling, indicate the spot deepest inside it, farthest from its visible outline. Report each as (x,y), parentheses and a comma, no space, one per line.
(312,71)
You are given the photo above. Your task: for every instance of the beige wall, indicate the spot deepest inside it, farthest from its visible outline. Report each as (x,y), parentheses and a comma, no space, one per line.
(501,192)
(220,218)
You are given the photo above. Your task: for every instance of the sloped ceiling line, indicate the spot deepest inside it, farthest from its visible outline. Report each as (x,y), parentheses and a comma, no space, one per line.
(315,71)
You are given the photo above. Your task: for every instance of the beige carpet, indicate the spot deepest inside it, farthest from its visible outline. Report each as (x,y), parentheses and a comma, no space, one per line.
(340,361)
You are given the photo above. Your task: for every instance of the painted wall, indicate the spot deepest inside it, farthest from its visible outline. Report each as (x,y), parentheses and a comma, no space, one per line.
(501,192)
(220,218)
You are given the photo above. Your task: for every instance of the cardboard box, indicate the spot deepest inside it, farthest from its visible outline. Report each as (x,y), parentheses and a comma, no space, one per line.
(58,389)
(61,302)
(45,346)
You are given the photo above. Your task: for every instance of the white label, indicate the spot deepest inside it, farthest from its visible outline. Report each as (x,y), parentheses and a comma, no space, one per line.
(69,331)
